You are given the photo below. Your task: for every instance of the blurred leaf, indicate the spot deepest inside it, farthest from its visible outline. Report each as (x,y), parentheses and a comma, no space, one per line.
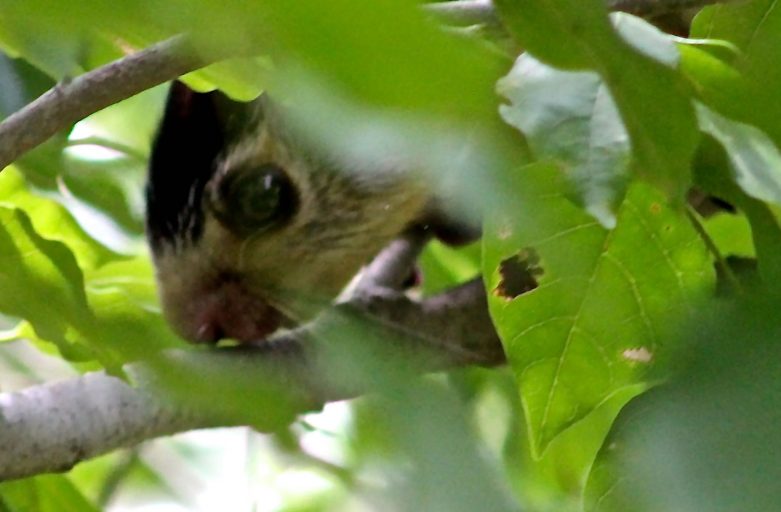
(755,28)
(241,79)
(113,184)
(20,83)
(131,123)
(111,191)
(717,83)
(46,493)
(66,39)
(117,317)
(708,440)
(593,306)
(127,321)
(436,460)
(570,117)
(579,28)
(755,160)
(662,145)
(387,53)
(463,163)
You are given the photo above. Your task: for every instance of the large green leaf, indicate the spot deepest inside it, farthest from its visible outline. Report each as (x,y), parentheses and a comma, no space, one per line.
(570,116)
(40,280)
(662,140)
(111,311)
(755,28)
(709,439)
(583,311)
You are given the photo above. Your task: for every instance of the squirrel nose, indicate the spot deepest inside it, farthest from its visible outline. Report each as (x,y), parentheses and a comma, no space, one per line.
(209,333)
(226,311)
(244,322)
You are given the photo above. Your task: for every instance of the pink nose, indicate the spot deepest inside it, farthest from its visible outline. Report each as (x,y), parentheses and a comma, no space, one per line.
(214,325)
(228,311)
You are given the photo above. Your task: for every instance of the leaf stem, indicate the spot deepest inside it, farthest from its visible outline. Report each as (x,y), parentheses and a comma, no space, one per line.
(711,245)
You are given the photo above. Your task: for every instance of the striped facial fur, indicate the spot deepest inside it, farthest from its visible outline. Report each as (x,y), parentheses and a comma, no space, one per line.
(249,230)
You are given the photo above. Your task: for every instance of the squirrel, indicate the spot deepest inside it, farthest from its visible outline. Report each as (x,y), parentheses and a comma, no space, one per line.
(250,230)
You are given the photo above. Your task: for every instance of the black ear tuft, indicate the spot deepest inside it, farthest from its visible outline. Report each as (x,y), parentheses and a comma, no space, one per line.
(195,130)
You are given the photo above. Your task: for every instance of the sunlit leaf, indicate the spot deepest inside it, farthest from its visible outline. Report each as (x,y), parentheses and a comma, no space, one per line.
(53,221)
(47,493)
(755,160)
(755,28)
(662,145)
(127,322)
(570,117)
(41,281)
(583,311)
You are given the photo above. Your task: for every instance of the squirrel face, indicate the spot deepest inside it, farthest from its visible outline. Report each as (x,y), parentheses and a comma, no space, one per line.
(250,230)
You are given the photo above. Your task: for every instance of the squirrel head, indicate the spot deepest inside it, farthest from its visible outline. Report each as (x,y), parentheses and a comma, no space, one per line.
(249,229)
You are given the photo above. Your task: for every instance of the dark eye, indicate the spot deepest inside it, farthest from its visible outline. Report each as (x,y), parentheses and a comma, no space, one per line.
(254,199)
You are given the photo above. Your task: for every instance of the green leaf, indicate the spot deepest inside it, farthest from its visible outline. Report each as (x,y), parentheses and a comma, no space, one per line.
(41,280)
(731,233)
(754,159)
(579,28)
(570,117)
(708,439)
(583,311)
(444,266)
(387,53)
(714,176)
(46,493)
(662,140)
(755,28)
(127,324)
(718,84)
(53,221)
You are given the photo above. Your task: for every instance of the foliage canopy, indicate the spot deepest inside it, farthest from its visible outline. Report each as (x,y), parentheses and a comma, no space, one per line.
(606,286)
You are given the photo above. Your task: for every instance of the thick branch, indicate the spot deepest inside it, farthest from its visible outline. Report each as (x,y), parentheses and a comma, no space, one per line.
(69,102)
(51,427)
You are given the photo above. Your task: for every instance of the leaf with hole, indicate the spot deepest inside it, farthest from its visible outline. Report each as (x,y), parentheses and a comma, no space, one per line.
(596,320)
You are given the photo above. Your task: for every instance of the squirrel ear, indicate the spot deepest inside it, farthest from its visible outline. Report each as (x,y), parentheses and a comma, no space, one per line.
(195,130)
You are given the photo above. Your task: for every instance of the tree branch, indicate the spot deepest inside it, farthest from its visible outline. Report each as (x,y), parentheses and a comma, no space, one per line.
(71,101)
(351,349)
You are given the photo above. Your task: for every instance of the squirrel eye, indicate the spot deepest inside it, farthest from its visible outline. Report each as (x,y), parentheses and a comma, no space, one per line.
(254,199)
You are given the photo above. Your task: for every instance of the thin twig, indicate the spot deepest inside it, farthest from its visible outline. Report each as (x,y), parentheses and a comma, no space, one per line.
(69,102)
(722,264)
(51,427)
